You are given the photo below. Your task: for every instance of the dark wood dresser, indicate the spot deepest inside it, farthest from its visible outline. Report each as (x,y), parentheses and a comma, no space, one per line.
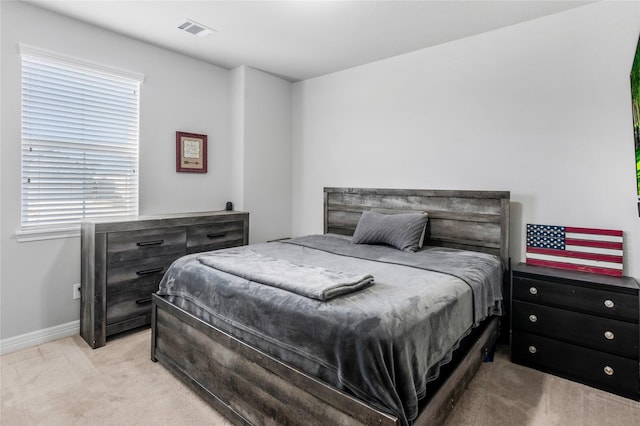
(577,325)
(123,260)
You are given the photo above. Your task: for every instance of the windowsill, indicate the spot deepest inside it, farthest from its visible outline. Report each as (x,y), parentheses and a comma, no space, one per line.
(23,236)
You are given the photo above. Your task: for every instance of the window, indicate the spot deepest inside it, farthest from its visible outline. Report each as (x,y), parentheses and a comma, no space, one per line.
(79,141)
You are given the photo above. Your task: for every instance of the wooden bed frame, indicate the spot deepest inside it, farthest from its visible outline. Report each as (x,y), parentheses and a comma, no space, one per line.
(250,387)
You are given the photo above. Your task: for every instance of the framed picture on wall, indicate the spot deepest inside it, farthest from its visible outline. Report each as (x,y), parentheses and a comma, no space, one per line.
(191,152)
(635,108)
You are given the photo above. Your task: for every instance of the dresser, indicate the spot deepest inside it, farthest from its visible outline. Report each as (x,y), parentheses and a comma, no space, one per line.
(577,325)
(123,260)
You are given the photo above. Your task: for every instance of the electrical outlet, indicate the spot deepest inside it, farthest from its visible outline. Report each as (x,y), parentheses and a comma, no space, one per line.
(76,291)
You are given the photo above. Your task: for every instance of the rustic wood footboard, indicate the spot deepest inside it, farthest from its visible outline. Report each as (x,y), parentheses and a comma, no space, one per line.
(243,383)
(250,387)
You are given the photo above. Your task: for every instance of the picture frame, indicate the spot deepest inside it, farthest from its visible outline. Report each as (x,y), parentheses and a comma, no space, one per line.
(191,152)
(635,110)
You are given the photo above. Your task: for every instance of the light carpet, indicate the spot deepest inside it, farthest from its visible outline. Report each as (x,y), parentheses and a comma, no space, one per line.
(67,383)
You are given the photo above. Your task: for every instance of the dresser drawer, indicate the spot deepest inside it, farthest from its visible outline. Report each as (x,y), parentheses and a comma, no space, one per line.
(600,302)
(609,372)
(126,276)
(130,304)
(131,323)
(214,236)
(128,245)
(603,334)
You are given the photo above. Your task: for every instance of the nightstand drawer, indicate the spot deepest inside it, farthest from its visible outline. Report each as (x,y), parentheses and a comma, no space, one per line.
(126,276)
(130,245)
(603,334)
(214,236)
(601,302)
(609,372)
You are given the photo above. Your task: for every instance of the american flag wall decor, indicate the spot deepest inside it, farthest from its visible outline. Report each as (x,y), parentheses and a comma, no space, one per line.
(580,249)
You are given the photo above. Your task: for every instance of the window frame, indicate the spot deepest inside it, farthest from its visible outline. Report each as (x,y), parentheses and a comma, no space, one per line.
(36,231)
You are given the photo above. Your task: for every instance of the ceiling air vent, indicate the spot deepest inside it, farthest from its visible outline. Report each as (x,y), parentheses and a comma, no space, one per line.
(194,28)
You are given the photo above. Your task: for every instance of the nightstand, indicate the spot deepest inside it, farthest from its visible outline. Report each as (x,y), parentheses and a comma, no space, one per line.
(577,325)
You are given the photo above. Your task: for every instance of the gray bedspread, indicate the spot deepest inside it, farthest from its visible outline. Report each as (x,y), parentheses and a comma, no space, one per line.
(383,343)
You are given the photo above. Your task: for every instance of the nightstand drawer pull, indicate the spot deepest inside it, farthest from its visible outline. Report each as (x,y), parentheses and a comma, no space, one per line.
(532,349)
(217,235)
(143,301)
(150,271)
(533,318)
(608,371)
(149,243)
(533,290)
(609,335)
(609,303)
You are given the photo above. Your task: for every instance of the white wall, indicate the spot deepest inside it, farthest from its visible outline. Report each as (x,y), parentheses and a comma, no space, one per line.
(541,109)
(268,155)
(178,93)
(237,104)
(262,152)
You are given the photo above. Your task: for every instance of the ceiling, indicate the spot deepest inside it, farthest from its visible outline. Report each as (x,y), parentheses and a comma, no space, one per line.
(297,40)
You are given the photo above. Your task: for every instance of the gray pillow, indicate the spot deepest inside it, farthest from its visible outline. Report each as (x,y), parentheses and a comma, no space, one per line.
(402,231)
(396,211)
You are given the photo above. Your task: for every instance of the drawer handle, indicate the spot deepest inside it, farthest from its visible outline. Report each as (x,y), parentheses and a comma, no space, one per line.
(609,335)
(143,301)
(609,303)
(150,271)
(533,318)
(149,243)
(533,290)
(533,349)
(608,371)
(216,235)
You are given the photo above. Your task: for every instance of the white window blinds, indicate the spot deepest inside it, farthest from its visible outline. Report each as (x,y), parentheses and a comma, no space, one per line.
(79,142)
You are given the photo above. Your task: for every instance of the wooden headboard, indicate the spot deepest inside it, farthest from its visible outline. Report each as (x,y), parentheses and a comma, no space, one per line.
(469,220)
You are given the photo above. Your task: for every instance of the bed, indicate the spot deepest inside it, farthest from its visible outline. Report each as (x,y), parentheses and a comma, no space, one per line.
(381,353)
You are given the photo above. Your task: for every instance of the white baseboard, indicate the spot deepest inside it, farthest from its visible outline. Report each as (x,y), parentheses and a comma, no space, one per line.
(39,337)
